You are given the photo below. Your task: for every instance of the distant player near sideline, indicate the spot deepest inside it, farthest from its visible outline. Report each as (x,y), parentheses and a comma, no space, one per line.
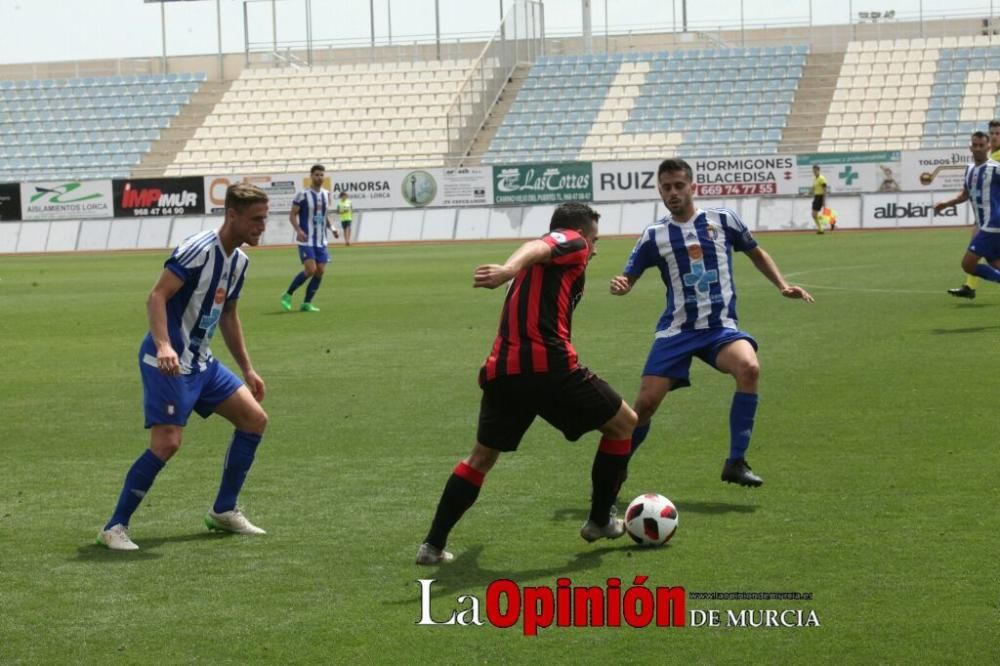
(819,190)
(196,293)
(982,190)
(968,290)
(310,219)
(346,214)
(532,370)
(692,250)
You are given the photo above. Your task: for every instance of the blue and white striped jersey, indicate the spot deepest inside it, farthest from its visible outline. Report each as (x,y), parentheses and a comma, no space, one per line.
(696,264)
(313,208)
(982,182)
(210,279)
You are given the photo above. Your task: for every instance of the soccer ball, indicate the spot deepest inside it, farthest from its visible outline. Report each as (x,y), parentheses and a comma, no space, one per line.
(651,519)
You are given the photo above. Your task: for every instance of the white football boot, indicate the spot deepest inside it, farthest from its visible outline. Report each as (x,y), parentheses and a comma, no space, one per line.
(116,538)
(231,521)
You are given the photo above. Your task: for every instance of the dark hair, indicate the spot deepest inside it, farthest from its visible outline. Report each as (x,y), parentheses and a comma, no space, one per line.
(994,123)
(317,167)
(979,134)
(573,215)
(343,194)
(672,164)
(240,196)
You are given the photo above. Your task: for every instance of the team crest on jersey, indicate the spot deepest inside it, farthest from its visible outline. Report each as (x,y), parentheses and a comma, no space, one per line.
(713,231)
(220,295)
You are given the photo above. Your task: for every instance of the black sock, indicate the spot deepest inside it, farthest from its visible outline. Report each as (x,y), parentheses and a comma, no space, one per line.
(460,493)
(607,475)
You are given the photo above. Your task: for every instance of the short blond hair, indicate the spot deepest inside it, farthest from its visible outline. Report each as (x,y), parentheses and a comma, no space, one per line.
(240,196)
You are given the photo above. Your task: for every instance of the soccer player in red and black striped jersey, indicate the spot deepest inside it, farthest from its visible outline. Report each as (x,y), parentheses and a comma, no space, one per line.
(532,370)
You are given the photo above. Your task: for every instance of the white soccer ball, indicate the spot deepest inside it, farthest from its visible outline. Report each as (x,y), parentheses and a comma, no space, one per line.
(651,519)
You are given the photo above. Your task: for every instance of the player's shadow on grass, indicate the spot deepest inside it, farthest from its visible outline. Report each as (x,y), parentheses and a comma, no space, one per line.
(712,508)
(955,331)
(466,573)
(147,548)
(580,514)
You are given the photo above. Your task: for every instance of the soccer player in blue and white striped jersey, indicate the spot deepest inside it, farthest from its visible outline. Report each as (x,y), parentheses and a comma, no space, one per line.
(692,249)
(196,294)
(310,219)
(982,191)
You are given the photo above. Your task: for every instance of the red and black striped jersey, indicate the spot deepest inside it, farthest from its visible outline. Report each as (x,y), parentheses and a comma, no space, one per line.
(534,334)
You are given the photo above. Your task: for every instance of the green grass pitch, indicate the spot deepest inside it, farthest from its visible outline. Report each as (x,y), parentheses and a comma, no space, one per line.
(876,435)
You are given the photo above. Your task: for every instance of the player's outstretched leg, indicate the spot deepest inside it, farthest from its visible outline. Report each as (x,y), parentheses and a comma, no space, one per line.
(138,481)
(741,417)
(607,475)
(286,298)
(460,493)
(311,290)
(225,516)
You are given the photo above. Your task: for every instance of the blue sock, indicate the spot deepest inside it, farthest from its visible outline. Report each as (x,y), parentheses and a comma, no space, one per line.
(296,282)
(639,436)
(313,286)
(239,458)
(987,272)
(741,416)
(138,481)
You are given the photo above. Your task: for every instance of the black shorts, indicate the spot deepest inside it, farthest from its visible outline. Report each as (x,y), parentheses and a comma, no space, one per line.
(345,224)
(818,202)
(574,401)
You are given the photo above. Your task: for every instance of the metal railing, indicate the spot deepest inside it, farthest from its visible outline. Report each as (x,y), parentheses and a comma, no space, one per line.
(519,40)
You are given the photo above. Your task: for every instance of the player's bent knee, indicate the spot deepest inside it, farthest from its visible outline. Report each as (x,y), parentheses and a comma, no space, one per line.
(749,373)
(621,424)
(255,421)
(482,459)
(165,441)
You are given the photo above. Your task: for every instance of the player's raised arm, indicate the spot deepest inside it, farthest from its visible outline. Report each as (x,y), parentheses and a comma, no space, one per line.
(765,264)
(156,312)
(492,276)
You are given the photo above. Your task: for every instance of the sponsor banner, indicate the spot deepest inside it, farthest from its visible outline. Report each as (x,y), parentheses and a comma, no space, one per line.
(852,172)
(467,186)
(389,188)
(744,176)
(66,199)
(543,183)
(159,197)
(280,188)
(10,202)
(940,170)
(626,181)
(912,209)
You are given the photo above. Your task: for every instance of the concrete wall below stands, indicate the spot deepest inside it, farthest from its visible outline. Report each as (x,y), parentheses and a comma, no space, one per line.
(872,211)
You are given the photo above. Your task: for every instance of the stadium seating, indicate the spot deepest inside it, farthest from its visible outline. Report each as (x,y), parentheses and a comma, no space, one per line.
(727,101)
(348,116)
(86,127)
(913,93)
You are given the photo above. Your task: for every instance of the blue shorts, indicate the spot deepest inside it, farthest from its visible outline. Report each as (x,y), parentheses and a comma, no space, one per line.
(671,357)
(170,400)
(986,245)
(317,254)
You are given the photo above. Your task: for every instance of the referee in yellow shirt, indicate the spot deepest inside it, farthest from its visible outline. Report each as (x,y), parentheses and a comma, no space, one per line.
(345,213)
(819,197)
